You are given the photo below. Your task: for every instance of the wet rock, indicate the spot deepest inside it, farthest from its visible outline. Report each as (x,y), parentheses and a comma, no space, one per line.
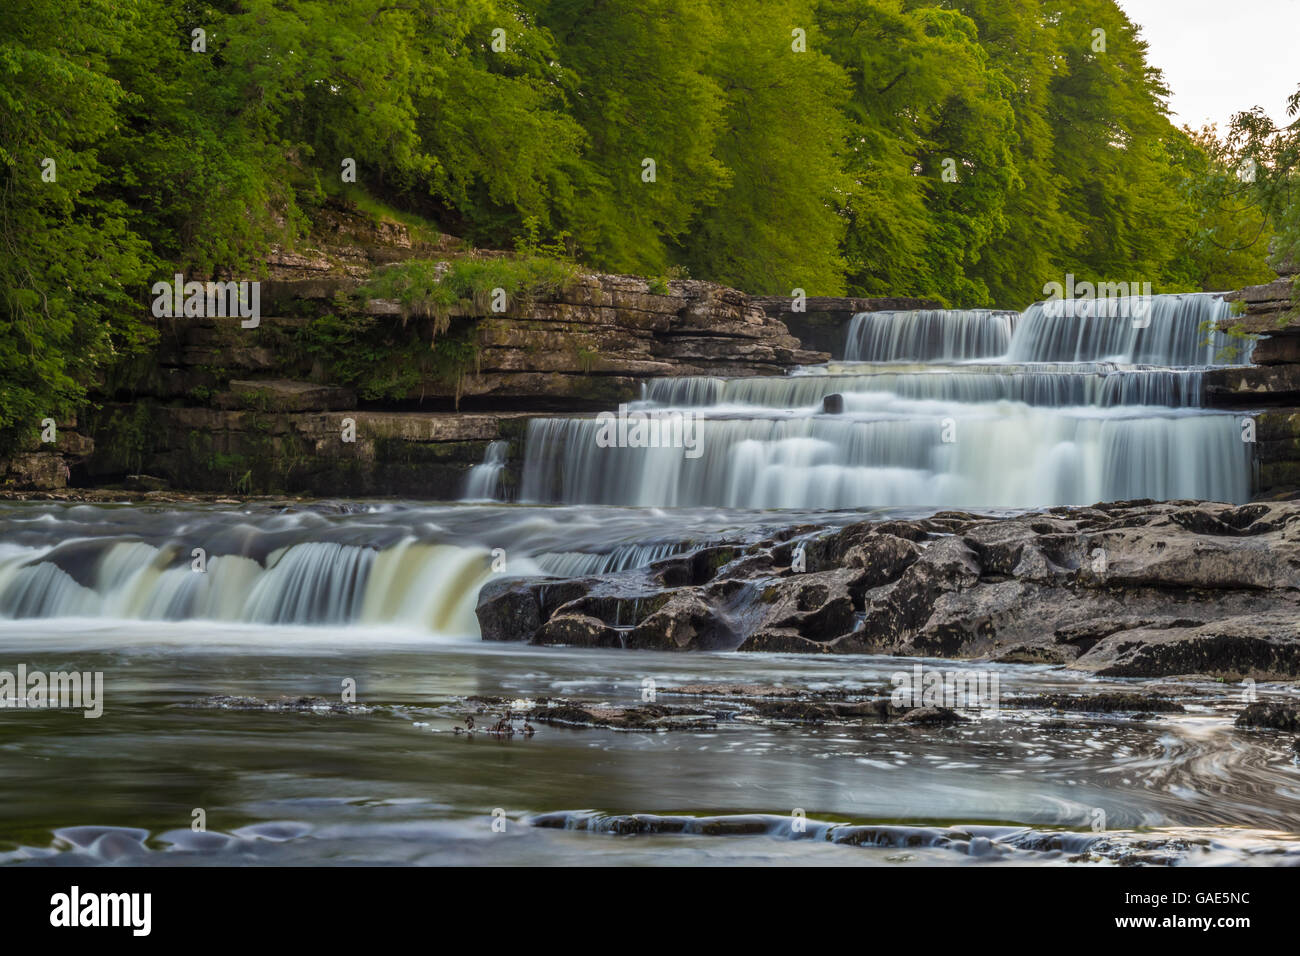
(294,705)
(685,622)
(806,710)
(932,716)
(816,607)
(1134,589)
(946,565)
(696,568)
(578,630)
(1096,703)
(884,558)
(507,612)
(803,711)
(729,690)
(782,641)
(1034,654)
(1272,716)
(1263,646)
(642,717)
(620,609)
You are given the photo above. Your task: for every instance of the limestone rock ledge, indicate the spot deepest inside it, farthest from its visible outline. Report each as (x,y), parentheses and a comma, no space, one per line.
(322,453)
(1133,589)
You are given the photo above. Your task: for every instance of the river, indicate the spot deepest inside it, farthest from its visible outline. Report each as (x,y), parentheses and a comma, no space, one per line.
(289,682)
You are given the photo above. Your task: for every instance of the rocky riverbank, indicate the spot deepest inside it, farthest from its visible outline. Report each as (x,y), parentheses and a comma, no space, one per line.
(1130,589)
(1270,386)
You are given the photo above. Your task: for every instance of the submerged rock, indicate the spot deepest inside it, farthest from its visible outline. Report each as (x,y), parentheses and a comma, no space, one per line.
(929,716)
(1270,716)
(1096,703)
(642,717)
(296,705)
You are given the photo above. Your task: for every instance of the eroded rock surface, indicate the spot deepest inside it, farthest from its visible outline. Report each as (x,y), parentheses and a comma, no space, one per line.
(1130,589)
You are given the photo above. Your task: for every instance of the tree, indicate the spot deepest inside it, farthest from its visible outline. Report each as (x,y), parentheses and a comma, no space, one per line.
(781,137)
(651,113)
(69,264)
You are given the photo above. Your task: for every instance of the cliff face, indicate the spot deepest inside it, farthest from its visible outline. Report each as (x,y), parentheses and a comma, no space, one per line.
(1271,387)
(219,407)
(593,343)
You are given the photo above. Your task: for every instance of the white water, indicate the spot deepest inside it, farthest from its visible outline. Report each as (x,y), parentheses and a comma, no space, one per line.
(1172,330)
(1008,432)
(483,483)
(928,335)
(390,568)
(1087,402)
(426,587)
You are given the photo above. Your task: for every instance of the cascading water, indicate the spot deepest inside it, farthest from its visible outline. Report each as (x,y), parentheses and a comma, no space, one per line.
(1169,330)
(927,335)
(1099,384)
(483,483)
(1088,401)
(1062,417)
(389,566)
(409,584)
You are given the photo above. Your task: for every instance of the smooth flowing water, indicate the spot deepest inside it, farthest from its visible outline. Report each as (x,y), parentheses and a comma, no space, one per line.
(1071,403)
(395,784)
(298,677)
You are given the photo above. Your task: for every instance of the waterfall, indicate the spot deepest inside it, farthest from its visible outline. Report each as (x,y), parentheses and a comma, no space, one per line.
(1172,330)
(415,568)
(409,584)
(1086,384)
(1074,402)
(928,335)
(1000,455)
(1068,404)
(483,483)
(581,563)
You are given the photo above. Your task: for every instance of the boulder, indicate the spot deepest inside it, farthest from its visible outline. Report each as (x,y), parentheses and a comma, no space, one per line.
(685,622)
(578,630)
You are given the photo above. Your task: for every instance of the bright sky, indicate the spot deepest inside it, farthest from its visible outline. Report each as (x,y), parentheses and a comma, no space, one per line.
(1220,57)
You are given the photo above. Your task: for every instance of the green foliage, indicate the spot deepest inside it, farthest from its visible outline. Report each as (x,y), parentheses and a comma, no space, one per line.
(68,257)
(641,90)
(437,288)
(1272,190)
(386,360)
(775,225)
(965,150)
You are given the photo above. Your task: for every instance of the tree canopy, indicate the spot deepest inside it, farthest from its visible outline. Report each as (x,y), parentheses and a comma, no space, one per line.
(963,150)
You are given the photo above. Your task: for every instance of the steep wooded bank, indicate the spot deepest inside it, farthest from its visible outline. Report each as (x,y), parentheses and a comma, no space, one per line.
(218,407)
(966,152)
